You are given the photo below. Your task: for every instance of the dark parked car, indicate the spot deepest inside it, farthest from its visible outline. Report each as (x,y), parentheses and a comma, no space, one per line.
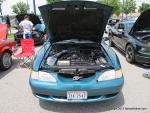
(74,66)
(133,38)
(38,34)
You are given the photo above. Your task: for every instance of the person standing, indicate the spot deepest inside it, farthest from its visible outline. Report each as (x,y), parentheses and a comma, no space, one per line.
(8,22)
(26,25)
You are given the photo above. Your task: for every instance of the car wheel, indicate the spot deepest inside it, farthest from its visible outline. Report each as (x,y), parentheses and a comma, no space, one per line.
(6,61)
(130,55)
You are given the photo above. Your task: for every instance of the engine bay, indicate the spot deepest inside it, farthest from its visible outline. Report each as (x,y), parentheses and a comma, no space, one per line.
(76,55)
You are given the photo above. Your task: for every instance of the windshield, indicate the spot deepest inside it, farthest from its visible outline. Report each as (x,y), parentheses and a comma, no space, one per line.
(129,26)
(113,22)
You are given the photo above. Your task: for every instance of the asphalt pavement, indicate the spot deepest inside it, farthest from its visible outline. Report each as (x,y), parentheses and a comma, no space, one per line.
(16,95)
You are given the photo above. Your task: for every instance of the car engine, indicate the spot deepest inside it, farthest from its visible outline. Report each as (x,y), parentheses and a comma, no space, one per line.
(76,60)
(81,58)
(76,56)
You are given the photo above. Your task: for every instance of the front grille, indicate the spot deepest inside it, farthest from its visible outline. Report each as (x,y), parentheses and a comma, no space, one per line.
(72,75)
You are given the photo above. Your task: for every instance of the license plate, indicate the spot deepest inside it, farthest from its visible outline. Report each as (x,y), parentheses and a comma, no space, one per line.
(76,95)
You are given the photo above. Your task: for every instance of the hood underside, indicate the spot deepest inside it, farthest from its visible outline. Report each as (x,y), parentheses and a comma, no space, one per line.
(33,18)
(142,23)
(83,20)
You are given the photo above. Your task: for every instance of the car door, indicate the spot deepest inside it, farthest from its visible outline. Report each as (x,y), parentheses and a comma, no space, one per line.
(121,35)
(115,34)
(124,37)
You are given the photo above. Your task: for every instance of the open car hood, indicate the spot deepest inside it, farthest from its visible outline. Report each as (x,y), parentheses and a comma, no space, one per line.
(83,20)
(143,22)
(33,18)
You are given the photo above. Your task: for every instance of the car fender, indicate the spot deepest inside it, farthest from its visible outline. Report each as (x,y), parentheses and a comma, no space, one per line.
(112,56)
(40,55)
(132,42)
(5,48)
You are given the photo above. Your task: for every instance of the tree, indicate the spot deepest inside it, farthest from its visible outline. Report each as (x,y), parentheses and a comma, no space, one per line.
(52,1)
(129,6)
(20,7)
(114,3)
(144,7)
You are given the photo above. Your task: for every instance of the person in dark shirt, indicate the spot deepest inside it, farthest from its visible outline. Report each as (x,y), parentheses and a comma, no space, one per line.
(8,22)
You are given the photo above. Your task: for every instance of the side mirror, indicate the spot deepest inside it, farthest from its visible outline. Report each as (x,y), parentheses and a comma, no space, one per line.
(121,31)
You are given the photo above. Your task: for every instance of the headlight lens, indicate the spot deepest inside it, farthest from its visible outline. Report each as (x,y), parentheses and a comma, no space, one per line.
(110,75)
(42,76)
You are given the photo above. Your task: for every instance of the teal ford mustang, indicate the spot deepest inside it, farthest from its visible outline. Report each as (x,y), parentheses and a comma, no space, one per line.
(75,65)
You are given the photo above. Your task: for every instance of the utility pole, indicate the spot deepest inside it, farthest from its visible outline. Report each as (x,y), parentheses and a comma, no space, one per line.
(1,1)
(122,8)
(28,6)
(34,6)
(1,9)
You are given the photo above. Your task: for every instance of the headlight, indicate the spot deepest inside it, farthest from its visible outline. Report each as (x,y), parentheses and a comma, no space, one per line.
(42,76)
(110,75)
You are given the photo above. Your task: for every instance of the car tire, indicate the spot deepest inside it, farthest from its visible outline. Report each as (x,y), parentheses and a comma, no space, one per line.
(130,54)
(6,60)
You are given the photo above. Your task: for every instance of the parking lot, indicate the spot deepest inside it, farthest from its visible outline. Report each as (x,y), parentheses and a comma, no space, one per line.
(16,95)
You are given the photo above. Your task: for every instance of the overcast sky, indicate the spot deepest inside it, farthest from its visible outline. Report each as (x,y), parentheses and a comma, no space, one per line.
(6,6)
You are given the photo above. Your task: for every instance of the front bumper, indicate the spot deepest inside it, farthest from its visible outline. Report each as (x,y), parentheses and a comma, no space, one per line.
(142,58)
(97,91)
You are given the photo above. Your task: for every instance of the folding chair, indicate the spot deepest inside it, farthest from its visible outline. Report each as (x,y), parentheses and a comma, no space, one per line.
(27,54)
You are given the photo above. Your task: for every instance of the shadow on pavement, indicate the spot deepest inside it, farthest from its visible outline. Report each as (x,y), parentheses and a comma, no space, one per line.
(144,66)
(14,65)
(83,107)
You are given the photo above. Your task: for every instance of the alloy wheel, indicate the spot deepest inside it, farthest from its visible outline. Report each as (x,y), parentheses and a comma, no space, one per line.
(130,54)
(6,60)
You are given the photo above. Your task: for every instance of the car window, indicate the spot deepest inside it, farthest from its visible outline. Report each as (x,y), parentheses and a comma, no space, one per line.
(116,26)
(113,22)
(129,26)
(121,26)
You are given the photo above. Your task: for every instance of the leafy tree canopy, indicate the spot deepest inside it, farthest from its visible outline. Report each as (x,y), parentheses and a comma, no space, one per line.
(52,1)
(20,7)
(129,6)
(114,3)
(144,7)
